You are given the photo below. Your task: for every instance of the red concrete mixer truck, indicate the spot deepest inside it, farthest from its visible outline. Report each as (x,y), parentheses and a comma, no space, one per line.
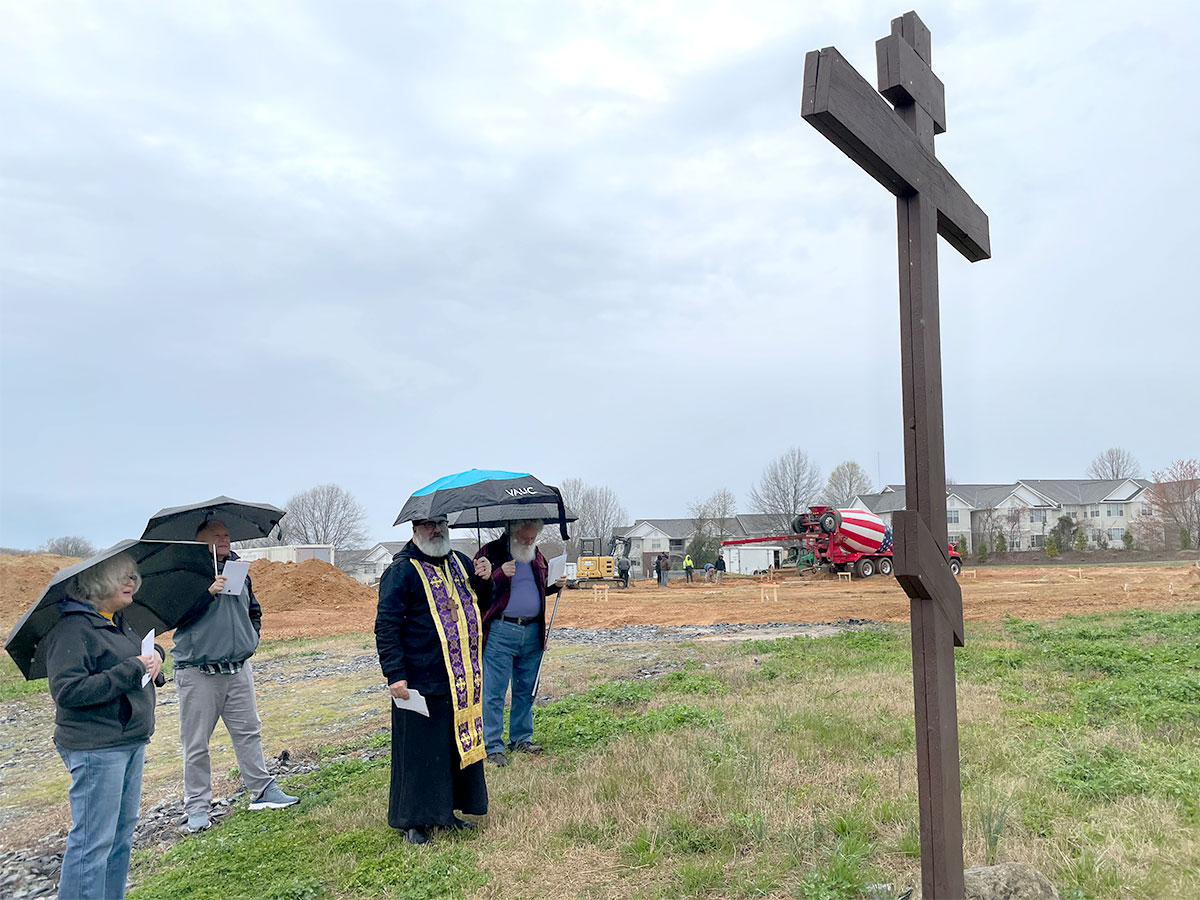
(845,539)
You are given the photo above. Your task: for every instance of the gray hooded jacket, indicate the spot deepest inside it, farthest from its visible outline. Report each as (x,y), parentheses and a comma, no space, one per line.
(225,631)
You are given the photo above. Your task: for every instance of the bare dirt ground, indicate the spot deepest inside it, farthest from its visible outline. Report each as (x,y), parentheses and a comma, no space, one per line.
(988,595)
(313,599)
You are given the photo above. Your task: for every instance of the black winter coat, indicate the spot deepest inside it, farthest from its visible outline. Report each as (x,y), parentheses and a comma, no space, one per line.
(96,681)
(405,634)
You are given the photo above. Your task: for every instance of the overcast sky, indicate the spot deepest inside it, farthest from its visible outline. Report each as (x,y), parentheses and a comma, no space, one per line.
(248,248)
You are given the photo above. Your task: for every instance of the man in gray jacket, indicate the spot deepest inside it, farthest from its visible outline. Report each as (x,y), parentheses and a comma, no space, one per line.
(215,680)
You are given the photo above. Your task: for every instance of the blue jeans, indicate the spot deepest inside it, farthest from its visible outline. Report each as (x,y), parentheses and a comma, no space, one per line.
(106,786)
(512,653)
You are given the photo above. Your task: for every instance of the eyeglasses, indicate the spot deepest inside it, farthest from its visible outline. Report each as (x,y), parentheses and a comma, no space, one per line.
(429,523)
(129,578)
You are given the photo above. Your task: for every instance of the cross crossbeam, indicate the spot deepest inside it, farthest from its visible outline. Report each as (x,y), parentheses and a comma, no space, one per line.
(840,104)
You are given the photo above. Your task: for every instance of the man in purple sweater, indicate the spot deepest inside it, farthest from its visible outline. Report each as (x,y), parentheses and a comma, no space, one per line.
(514,636)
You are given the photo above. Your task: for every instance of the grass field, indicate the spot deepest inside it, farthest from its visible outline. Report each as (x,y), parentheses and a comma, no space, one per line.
(774,769)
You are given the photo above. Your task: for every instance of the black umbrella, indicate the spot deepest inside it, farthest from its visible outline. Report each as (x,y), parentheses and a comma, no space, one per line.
(245,521)
(175,581)
(499,516)
(482,488)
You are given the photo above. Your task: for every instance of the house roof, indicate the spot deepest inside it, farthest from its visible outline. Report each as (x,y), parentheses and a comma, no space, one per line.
(1055,491)
(757,524)
(349,559)
(982,496)
(886,501)
(1081,491)
(677,529)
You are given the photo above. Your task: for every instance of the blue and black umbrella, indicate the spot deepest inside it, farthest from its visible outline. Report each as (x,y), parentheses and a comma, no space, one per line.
(481,489)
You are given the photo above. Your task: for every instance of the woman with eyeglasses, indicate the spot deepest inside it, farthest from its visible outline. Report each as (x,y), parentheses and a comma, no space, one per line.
(103,720)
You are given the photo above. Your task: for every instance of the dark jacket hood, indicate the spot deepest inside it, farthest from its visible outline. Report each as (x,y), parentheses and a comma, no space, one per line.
(70,606)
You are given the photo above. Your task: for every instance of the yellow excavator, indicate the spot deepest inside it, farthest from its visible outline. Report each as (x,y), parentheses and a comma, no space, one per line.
(591,568)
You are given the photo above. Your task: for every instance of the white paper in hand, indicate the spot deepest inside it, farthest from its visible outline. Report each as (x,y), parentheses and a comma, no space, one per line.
(415,702)
(147,647)
(235,572)
(556,569)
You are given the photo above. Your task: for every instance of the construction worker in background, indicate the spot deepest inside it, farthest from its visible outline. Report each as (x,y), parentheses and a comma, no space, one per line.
(623,565)
(687,567)
(720,567)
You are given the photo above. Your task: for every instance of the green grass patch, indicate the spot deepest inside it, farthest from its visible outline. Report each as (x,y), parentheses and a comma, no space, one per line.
(843,871)
(1142,667)
(1109,772)
(575,723)
(796,658)
(13,683)
(880,733)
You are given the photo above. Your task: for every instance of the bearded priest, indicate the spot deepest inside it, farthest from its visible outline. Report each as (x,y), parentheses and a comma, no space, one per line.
(514,636)
(429,635)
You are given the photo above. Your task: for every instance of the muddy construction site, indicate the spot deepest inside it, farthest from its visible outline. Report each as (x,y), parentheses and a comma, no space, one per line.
(313,598)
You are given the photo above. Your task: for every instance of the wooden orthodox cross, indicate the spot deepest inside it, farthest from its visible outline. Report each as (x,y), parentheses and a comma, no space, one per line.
(895,146)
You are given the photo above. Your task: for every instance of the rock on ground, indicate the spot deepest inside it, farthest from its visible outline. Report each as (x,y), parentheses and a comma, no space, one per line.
(1007,881)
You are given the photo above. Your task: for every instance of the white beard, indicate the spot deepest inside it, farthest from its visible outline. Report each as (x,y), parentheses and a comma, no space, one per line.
(521,552)
(436,547)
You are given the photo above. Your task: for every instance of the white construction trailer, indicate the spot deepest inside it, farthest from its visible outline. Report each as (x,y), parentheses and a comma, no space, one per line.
(748,559)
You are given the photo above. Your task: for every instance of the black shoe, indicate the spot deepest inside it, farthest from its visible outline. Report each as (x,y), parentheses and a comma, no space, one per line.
(497,759)
(527,747)
(416,835)
(463,824)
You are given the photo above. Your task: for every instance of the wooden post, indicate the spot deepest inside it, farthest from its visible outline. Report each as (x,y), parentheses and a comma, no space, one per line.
(896,147)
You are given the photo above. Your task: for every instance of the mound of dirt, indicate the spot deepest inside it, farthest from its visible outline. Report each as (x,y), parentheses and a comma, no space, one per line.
(22,580)
(308,597)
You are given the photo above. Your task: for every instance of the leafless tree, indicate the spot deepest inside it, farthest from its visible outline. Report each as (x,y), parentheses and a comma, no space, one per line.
(599,511)
(990,526)
(789,485)
(69,546)
(1012,519)
(1113,463)
(1175,498)
(710,517)
(326,514)
(846,482)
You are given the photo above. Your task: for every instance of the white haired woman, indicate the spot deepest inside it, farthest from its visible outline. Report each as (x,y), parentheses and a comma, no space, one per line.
(104,717)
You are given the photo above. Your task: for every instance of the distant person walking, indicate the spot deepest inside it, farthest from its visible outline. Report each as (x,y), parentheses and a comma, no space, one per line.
(664,567)
(687,568)
(720,567)
(623,566)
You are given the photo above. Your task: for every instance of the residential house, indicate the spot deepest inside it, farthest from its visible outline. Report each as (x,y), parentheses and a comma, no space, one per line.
(1026,511)
(649,537)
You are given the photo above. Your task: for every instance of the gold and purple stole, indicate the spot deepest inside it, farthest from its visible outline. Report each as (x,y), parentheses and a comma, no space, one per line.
(452,605)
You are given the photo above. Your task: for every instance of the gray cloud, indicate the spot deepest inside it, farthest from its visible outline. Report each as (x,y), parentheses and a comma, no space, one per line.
(250,249)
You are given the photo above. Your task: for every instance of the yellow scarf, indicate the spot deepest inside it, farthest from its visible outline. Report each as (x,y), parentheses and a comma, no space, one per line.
(452,605)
